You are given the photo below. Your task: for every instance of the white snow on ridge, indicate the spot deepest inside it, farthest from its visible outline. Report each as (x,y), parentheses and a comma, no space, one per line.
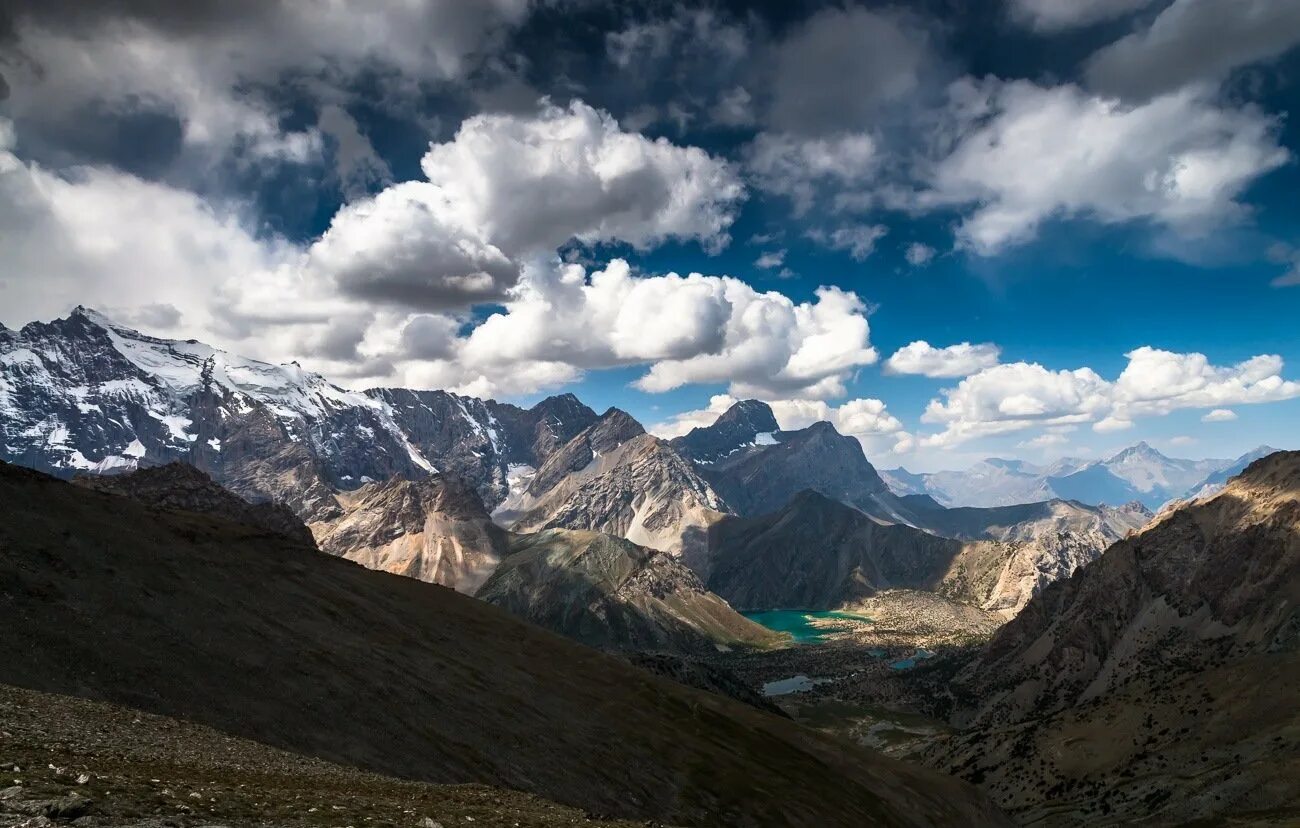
(765,438)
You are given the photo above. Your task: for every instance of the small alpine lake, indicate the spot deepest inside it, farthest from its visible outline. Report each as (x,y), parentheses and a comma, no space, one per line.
(807,626)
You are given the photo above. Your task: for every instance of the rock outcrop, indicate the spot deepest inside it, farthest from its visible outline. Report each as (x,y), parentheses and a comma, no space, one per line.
(182,487)
(615,478)
(1157,683)
(433,529)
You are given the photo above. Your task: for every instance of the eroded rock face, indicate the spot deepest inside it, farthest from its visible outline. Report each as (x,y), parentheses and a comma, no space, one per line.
(181,486)
(613,594)
(1206,580)
(615,478)
(1157,683)
(434,529)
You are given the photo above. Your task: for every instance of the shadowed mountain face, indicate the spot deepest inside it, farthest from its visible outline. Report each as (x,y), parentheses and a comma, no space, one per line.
(747,423)
(183,487)
(817,553)
(612,594)
(250,633)
(1154,640)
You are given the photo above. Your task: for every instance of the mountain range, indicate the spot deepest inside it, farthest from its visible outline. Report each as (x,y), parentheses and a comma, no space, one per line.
(251,632)
(1159,681)
(431,485)
(1139,474)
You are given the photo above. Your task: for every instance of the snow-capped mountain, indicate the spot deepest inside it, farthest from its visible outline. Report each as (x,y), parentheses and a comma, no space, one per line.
(84,394)
(1139,473)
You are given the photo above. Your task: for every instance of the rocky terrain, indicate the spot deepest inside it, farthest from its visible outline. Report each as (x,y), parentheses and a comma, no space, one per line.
(69,760)
(84,394)
(1185,638)
(817,553)
(259,637)
(183,487)
(612,594)
(761,471)
(615,478)
(434,528)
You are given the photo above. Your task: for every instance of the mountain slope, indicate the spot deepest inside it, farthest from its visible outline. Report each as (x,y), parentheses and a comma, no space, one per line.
(612,594)
(1168,666)
(434,529)
(84,394)
(229,627)
(818,554)
(760,474)
(615,478)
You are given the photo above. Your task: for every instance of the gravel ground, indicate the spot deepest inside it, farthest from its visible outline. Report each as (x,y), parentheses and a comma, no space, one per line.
(65,760)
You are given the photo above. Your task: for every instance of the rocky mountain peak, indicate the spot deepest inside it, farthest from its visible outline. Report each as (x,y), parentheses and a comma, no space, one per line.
(744,424)
(614,428)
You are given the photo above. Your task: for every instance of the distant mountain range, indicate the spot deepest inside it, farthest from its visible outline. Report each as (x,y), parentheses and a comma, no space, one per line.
(1139,473)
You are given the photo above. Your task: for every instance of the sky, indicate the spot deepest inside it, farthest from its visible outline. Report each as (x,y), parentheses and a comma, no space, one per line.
(955,229)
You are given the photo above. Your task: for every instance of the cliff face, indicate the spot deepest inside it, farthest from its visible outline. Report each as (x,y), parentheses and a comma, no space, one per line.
(434,529)
(1159,681)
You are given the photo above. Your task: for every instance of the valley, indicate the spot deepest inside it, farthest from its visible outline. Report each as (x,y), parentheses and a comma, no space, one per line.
(524,583)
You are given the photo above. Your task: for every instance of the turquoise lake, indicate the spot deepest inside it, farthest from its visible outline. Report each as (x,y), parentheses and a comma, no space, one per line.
(799,623)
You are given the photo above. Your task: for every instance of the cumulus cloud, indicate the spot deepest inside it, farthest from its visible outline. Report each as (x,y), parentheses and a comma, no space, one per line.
(796,167)
(1059,15)
(960,360)
(919,255)
(531,183)
(770,260)
(356,164)
(1194,40)
(1038,153)
(1219,415)
(1018,396)
(407,246)
(1044,441)
(866,419)
(109,239)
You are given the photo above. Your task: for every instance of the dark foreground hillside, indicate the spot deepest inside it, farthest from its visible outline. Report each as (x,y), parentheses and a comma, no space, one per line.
(102,765)
(248,632)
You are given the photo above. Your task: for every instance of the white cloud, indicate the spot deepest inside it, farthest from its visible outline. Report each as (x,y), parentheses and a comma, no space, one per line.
(858,240)
(561,321)
(105,238)
(795,167)
(1220,415)
(1018,396)
(770,260)
(1181,440)
(1031,154)
(1044,441)
(919,255)
(960,360)
(1195,40)
(1059,15)
(532,183)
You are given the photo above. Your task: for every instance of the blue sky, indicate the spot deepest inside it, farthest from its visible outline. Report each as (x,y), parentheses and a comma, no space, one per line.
(387,194)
